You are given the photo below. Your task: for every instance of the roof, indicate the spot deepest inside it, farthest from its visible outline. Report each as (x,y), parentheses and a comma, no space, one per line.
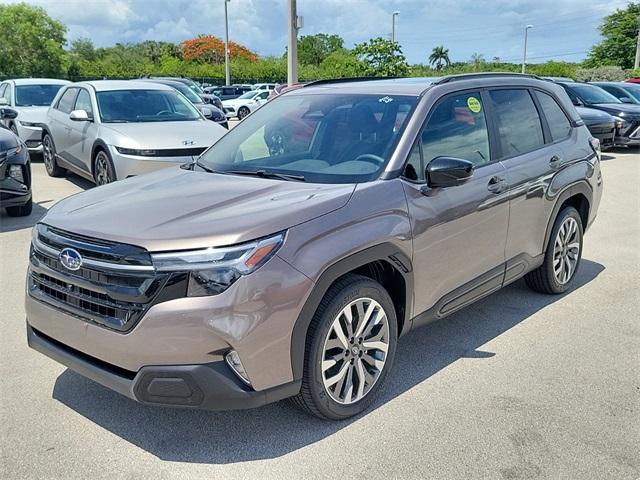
(412,85)
(109,85)
(39,81)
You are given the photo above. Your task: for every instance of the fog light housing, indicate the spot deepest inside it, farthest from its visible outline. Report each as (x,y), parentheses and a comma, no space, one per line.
(15,172)
(233,360)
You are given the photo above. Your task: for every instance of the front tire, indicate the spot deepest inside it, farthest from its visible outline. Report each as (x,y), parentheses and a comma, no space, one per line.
(49,157)
(243,112)
(563,255)
(103,170)
(350,348)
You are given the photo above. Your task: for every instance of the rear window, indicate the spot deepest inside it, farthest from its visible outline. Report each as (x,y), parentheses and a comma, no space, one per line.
(520,130)
(558,122)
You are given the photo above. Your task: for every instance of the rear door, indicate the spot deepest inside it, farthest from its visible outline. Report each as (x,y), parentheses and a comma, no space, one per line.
(532,151)
(459,232)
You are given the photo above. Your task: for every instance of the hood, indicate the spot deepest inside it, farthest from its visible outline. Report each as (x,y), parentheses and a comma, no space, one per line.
(592,116)
(176,209)
(31,114)
(164,135)
(617,108)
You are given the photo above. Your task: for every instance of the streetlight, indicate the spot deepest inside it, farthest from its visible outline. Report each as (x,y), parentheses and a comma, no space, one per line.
(524,56)
(393,26)
(227,72)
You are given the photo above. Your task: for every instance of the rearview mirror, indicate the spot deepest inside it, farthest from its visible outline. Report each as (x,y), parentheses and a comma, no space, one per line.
(576,102)
(626,100)
(79,116)
(8,113)
(4,101)
(448,172)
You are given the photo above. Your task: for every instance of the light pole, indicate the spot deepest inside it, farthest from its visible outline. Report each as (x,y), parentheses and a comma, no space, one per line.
(292,48)
(524,56)
(393,26)
(227,72)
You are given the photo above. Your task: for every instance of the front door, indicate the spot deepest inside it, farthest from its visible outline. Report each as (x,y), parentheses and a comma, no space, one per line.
(81,134)
(459,233)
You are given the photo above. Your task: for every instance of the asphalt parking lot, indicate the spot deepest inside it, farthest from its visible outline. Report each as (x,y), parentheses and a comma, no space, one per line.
(518,386)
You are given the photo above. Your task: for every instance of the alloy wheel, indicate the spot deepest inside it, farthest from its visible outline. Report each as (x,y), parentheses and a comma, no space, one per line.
(47,154)
(566,250)
(103,175)
(355,351)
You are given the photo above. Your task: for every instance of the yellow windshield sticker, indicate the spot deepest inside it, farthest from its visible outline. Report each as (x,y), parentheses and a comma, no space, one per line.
(474,104)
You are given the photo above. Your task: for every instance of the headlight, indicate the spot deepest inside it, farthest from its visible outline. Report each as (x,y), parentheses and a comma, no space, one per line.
(213,270)
(136,152)
(15,151)
(15,172)
(621,122)
(30,124)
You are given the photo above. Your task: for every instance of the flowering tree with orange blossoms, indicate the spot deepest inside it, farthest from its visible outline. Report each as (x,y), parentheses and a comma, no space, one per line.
(210,49)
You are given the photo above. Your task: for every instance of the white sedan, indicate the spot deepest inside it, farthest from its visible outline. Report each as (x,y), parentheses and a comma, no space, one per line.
(245,104)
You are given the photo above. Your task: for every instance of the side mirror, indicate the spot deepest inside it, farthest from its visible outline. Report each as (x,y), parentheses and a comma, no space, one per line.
(626,100)
(8,113)
(79,116)
(448,172)
(4,101)
(577,102)
(207,112)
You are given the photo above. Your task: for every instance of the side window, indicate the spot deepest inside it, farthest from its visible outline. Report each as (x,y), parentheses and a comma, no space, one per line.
(558,122)
(457,128)
(84,102)
(67,100)
(264,95)
(3,87)
(520,130)
(8,94)
(414,170)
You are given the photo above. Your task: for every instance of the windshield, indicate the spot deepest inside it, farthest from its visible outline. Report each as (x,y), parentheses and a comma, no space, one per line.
(592,95)
(323,138)
(122,106)
(633,90)
(36,95)
(250,94)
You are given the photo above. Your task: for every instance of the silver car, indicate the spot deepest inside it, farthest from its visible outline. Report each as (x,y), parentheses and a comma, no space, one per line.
(31,98)
(109,130)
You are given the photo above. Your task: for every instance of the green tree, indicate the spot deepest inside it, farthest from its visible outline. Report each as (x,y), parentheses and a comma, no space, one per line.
(31,42)
(313,49)
(83,49)
(381,58)
(439,57)
(620,32)
(477,60)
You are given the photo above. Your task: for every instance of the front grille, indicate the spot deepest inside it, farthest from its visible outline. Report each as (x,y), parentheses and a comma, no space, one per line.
(177,152)
(33,143)
(113,287)
(601,129)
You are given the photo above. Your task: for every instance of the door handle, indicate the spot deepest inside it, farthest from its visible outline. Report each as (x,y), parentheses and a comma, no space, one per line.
(497,184)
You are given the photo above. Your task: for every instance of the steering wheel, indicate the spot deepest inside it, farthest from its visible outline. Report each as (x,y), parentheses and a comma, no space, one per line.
(370,158)
(164,112)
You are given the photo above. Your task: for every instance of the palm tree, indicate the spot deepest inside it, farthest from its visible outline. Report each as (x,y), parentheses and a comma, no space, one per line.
(439,56)
(477,59)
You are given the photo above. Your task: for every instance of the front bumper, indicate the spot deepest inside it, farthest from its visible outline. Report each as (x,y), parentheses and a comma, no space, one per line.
(132,165)
(209,386)
(31,136)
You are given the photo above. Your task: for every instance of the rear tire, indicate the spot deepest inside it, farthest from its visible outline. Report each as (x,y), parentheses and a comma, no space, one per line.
(49,157)
(20,210)
(562,257)
(359,355)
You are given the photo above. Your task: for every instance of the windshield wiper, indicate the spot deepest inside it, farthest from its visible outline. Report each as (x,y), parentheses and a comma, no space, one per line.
(198,163)
(267,174)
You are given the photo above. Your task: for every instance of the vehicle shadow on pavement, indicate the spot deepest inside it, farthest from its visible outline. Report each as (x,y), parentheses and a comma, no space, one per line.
(277,429)
(11,224)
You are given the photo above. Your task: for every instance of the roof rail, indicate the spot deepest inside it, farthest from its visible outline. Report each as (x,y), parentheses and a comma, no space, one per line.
(347,80)
(467,76)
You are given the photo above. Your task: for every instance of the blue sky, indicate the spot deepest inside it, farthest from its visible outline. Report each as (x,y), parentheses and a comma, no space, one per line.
(562,29)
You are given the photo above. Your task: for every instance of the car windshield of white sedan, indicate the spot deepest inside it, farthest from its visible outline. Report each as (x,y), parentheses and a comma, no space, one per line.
(321,138)
(36,95)
(124,106)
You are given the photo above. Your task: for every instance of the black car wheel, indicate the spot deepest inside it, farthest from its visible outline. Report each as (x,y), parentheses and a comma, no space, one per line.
(49,157)
(103,170)
(243,112)
(20,210)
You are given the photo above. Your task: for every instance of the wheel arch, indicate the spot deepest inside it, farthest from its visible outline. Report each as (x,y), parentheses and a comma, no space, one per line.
(98,145)
(579,196)
(384,263)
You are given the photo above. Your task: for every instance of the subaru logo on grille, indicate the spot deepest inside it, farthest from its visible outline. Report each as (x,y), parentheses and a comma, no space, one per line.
(70,258)
(188,142)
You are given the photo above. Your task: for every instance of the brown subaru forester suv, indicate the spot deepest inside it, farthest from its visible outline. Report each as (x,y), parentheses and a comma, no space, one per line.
(288,259)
